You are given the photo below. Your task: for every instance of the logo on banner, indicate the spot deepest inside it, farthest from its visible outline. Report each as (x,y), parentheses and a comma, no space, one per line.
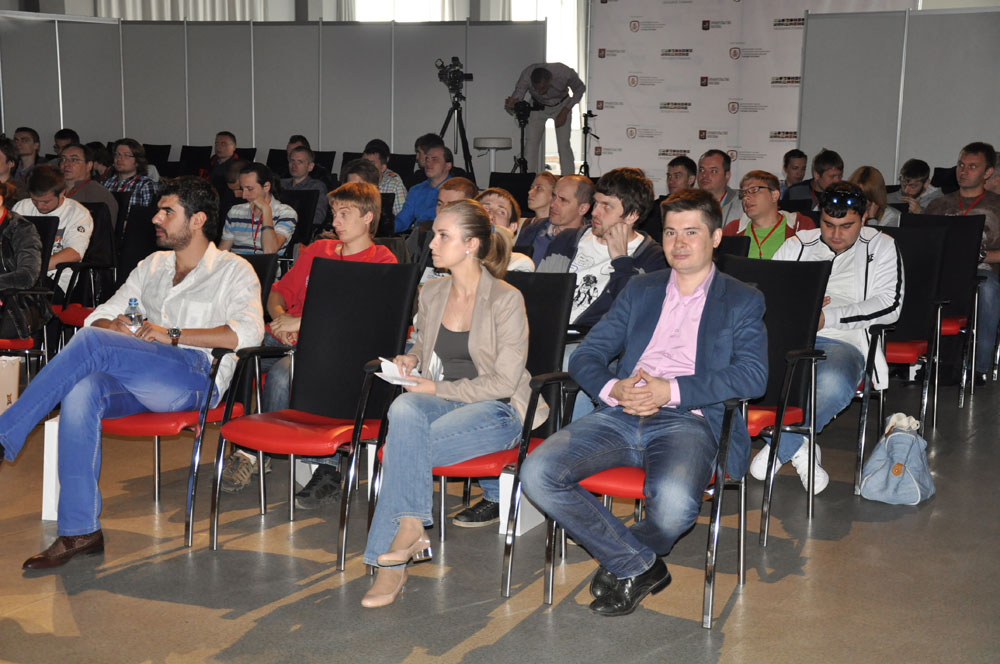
(672,152)
(781,81)
(633,26)
(702,134)
(675,105)
(733,154)
(600,104)
(630,132)
(706,25)
(734,107)
(597,150)
(785,23)
(676,52)
(633,81)
(601,52)
(734,53)
(704,81)
(783,135)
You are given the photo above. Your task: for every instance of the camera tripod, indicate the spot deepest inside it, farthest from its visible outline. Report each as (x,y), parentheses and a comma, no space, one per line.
(456,111)
(520,163)
(587,133)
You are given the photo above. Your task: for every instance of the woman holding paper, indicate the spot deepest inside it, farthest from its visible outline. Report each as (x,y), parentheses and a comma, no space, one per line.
(473,334)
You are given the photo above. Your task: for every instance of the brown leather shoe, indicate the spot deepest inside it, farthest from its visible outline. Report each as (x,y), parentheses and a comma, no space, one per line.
(64,548)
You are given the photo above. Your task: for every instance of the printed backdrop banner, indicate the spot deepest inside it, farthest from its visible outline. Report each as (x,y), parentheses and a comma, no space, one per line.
(679,77)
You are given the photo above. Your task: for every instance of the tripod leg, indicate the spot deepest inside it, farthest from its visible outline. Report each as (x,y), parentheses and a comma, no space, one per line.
(465,144)
(447,121)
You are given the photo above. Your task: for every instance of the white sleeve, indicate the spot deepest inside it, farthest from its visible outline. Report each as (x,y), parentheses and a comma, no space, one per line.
(78,230)
(885,295)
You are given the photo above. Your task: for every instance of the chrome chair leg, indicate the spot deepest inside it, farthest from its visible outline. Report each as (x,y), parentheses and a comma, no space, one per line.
(441,509)
(348,471)
(216,485)
(261,485)
(291,486)
(466,491)
(741,544)
(714,525)
(810,489)
(550,546)
(508,543)
(156,469)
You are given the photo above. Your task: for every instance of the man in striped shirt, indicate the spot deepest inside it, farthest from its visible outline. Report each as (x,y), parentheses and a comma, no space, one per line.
(262,225)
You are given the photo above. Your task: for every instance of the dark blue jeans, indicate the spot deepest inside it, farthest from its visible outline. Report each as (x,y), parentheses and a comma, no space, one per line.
(677,450)
(100,374)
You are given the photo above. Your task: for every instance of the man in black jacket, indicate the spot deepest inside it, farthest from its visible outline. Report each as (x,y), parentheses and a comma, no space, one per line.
(20,263)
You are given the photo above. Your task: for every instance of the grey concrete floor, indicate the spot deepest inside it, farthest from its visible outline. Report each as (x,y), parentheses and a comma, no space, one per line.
(861,582)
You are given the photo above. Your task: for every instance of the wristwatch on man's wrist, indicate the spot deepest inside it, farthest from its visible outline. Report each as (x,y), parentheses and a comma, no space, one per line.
(175,335)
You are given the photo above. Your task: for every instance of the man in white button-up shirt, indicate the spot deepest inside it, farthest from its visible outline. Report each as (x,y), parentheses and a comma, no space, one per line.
(195,298)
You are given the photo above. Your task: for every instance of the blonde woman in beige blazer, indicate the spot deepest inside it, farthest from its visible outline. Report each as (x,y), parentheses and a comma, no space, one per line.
(476,325)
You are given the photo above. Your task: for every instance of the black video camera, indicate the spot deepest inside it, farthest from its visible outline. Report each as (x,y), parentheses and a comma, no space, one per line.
(522,111)
(452,75)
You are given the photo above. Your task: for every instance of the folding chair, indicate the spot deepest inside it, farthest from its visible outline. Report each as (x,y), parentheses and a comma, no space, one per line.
(734,245)
(304,203)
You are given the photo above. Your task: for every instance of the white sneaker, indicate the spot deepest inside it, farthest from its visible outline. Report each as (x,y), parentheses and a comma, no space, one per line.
(800,461)
(758,467)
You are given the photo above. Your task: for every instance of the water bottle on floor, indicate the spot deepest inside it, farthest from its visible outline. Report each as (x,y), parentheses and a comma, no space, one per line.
(134,315)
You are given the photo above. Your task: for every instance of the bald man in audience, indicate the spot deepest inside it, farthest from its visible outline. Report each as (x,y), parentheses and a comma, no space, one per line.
(714,171)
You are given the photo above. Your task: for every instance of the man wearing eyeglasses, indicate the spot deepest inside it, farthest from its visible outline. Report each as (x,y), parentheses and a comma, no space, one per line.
(865,289)
(915,188)
(762,221)
(76,164)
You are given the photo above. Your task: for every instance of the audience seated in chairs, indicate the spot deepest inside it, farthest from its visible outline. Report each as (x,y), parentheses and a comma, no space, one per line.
(571,201)
(976,164)
(356,208)
(762,221)
(682,173)
(301,162)
(20,265)
(505,214)
(688,341)
(793,165)
(47,190)
(421,199)
(225,150)
(129,173)
(318,172)
(8,167)
(865,288)
(453,189)
(476,325)
(77,164)
(872,184)
(827,169)
(27,144)
(915,188)
(377,152)
(103,161)
(540,197)
(60,140)
(107,370)
(714,171)
(420,146)
(262,225)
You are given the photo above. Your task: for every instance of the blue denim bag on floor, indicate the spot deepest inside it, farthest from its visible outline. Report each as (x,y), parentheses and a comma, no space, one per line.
(897,472)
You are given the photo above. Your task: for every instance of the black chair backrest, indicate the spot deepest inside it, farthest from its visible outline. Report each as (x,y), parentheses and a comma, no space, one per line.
(804,206)
(304,202)
(516,184)
(652,225)
(194,158)
(793,296)
(397,246)
(891,188)
(945,179)
(526,249)
(157,155)
(138,240)
(348,157)
(47,228)
(548,300)
(102,250)
(353,313)
(734,245)
(902,207)
(266,267)
(247,154)
(387,222)
(277,161)
(961,257)
(325,159)
(402,164)
(922,250)
(123,198)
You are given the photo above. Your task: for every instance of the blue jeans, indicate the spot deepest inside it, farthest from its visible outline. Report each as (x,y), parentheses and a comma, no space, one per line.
(100,374)
(427,431)
(277,387)
(988,320)
(677,450)
(837,380)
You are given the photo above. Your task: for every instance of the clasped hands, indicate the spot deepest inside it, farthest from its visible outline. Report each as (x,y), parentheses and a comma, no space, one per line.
(641,400)
(285,328)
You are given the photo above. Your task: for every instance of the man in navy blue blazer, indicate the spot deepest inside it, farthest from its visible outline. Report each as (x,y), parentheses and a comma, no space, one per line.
(688,338)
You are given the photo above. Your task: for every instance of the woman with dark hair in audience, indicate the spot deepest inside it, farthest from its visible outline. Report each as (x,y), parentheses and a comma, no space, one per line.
(129,173)
(473,326)
(872,183)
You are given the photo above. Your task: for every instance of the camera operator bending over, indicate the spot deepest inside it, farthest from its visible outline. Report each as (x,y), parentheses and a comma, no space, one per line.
(549,85)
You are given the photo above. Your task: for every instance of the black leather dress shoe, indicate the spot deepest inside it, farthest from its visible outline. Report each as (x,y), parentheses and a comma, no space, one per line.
(64,548)
(625,594)
(602,582)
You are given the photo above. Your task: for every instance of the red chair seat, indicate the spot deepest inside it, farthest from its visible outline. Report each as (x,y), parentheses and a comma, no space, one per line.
(952,325)
(621,482)
(759,417)
(487,465)
(56,309)
(163,424)
(294,432)
(73,315)
(17,344)
(904,352)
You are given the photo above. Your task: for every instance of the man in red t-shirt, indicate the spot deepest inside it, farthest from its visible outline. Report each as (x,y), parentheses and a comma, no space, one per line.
(356,210)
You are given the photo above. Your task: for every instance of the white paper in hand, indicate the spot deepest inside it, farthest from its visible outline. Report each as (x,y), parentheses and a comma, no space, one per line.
(390,374)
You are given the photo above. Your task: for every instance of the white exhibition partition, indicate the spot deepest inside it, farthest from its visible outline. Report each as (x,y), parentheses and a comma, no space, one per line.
(881,88)
(339,84)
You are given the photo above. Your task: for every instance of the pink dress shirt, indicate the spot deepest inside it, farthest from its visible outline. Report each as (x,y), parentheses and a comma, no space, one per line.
(673,347)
